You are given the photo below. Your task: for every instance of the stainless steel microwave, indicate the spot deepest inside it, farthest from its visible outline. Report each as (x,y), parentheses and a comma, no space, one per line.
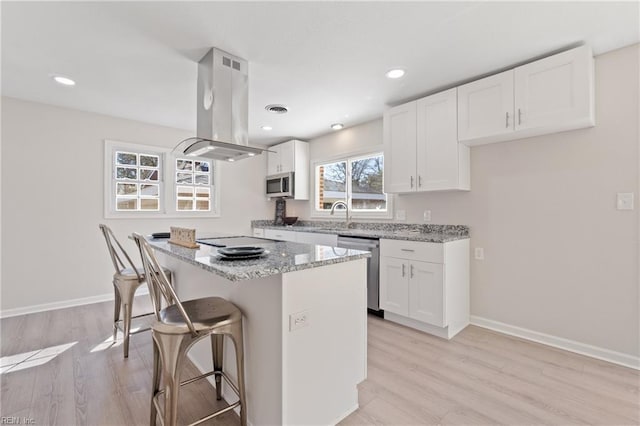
(280,185)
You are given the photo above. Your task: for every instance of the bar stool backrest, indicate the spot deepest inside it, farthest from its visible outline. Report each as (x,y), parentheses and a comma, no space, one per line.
(117,252)
(159,286)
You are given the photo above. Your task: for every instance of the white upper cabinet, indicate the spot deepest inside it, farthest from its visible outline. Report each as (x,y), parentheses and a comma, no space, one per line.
(556,91)
(485,107)
(282,159)
(442,163)
(421,146)
(550,95)
(399,124)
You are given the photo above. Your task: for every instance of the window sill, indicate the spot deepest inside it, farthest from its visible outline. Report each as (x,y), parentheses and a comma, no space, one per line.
(161,216)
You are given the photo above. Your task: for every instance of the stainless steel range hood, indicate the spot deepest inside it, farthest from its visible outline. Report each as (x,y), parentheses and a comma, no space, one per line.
(223,109)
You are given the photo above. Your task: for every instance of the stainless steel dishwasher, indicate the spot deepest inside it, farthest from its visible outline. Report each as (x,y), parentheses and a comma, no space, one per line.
(373,268)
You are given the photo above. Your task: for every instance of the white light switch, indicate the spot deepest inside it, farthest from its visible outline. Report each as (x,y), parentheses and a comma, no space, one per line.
(427,216)
(625,201)
(479,253)
(401,215)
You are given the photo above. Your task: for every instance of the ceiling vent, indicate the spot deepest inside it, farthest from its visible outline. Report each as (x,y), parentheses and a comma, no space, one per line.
(277,109)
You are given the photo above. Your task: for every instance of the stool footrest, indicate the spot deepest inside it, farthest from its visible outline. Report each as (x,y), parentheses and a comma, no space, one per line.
(194,379)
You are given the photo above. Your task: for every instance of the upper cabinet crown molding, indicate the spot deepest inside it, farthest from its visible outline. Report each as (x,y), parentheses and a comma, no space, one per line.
(550,95)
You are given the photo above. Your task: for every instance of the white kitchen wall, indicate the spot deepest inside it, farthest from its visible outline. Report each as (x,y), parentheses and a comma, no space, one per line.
(559,258)
(52,202)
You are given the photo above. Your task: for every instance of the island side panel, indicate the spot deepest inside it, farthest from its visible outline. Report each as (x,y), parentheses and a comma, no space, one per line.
(324,360)
(260,301)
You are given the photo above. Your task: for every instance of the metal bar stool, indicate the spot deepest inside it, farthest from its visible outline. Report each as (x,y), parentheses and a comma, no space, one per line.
(177,328)
(126,280)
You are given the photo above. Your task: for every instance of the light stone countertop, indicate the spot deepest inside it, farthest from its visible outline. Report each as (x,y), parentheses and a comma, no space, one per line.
(282,257)
(391,231)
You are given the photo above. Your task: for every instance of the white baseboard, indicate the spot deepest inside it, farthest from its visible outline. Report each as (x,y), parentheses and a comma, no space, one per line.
(63,304)
(559,342)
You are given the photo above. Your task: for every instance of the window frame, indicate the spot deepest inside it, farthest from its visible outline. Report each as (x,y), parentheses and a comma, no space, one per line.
(348,157)
(167,182)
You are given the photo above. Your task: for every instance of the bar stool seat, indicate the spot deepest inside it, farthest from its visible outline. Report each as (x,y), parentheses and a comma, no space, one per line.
(126,280)
(178,327)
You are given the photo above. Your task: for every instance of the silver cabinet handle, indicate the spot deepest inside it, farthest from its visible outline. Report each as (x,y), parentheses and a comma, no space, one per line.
(411,271)
(519,116)
(411,181)
(403,273)
(420,181)
(411,250)
(506,124)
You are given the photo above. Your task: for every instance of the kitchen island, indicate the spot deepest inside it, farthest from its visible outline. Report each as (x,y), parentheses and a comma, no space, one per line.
(304,309)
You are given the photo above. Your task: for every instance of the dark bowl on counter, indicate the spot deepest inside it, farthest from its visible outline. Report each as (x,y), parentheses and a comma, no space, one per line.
(290,220)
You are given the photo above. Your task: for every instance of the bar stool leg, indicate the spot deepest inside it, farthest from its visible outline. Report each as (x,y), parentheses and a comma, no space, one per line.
(172,350)
(117,301)
(217,351)
(155,382)
(236,336)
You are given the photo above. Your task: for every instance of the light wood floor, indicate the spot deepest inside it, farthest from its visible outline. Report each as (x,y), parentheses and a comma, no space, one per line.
(480,377)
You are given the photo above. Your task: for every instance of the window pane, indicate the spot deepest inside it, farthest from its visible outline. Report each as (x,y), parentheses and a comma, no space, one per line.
(126,158)
(366,184)
(149,204)
(202,179)
(202,205)
(148,174)
(126,203)
(127,189)
(184,178)
(126,173)
(184,164)
(149,160)
(202,166)
(332,183)
(185,191)
(149,190)
(202,192)
(185,204)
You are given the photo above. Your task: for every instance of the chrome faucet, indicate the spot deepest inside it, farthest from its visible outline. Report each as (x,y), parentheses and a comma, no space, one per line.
(342,203)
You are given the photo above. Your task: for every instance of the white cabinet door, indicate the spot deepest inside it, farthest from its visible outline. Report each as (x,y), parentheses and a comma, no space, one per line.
(276,234)
(317,238)
(394,285)
(426,287)
(400,148)
(438,151)
(273,160)
(485,107)
(287,157)
(258,232)
(557,90)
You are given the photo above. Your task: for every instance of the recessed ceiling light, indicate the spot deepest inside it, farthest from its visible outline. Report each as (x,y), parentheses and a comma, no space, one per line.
(395,73)
(337,126)
(65,81)
(267,128)
(231,159)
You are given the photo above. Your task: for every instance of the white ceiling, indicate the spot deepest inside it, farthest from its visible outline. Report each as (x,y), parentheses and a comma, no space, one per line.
(325,60)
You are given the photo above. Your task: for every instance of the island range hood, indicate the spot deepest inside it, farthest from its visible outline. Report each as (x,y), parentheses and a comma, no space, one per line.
(223,109)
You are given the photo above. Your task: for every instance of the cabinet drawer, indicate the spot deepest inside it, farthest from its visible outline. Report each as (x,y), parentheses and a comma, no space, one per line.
(413,250)
(276,234)
(258,232)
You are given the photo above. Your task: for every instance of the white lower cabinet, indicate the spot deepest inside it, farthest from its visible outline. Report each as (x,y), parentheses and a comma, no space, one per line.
(277,234)
(426,285)
(317,238)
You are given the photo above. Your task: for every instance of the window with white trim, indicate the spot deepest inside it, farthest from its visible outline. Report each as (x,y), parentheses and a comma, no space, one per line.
(357,180)
(146,182)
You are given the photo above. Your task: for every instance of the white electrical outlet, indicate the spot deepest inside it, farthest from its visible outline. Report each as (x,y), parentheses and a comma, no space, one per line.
(624,201)
(479,253)
(401,215)
(427,216)
(298,320)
